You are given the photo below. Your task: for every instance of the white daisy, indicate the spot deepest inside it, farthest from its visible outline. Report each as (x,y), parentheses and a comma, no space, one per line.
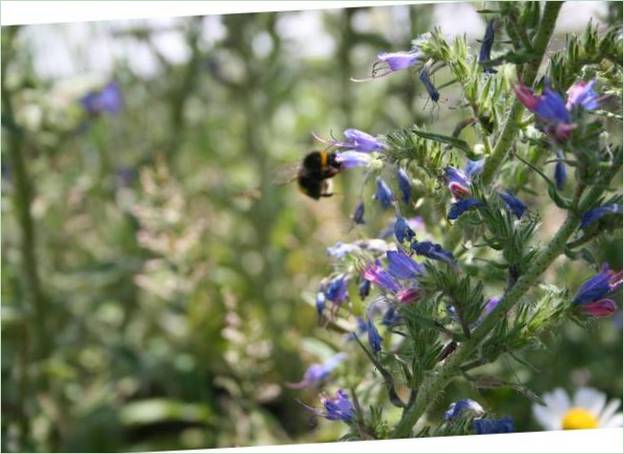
(588,410)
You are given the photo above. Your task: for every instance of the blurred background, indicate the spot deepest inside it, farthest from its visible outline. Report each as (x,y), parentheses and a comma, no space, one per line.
(157,288)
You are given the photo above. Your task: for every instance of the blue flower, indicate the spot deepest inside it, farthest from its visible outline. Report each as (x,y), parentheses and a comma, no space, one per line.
(595,214)
(374,339)
(491,304)
(358,214)
(360,141)
(582,94)
(458,182)
(433,251)
(561,173)
(339,408)
(493,426)
(401,266)
(361,328)
(380,277)
(461,206)
(598,286)
(486,46)
(515,205)
(405,185)
(391,317)
(432,91)
(389,62)
(336,290)
(109,99)
(320,303)
(316,373)
(457,408)
(551,107)
(350,159)
(383,194)
(473,168)
(402,230)
(364,289)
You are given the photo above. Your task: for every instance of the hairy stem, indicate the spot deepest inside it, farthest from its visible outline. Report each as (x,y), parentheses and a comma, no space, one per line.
(503,145)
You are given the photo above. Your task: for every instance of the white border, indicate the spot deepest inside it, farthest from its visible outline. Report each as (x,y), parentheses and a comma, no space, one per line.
(572,441)
(13,12)
(39,12)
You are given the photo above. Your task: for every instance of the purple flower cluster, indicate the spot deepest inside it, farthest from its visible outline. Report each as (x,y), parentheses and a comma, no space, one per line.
(554,111)
(591,296)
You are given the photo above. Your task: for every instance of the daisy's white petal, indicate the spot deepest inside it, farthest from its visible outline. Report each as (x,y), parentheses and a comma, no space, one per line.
(546,418)
(608,412)
(558,402)
(590,399)
(615,421)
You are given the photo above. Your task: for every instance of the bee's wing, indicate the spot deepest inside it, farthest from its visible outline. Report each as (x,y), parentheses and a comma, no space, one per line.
(286,173)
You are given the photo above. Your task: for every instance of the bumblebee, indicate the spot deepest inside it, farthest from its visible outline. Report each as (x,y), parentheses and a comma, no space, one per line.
(314,173)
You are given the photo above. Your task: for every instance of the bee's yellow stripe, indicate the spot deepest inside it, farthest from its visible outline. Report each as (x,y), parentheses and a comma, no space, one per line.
(324,159)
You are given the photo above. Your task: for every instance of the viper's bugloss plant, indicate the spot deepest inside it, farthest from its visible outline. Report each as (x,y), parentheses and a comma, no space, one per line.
(468,287)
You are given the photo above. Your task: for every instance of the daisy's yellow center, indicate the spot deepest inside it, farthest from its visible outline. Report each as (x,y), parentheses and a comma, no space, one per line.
(578,418)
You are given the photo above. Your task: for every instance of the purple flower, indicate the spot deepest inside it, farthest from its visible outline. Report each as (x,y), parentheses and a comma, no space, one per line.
(401,265)
(320,303)
(389,62)
(383,194)
(515,205)
(350,159)
(405,186)
(360,141)
(108,99)
(391,317)
(486,46)
(336,290)
(433,251)
(493,426)
(316,373)
(552,107)
(595,214)
(339,408)
(402,230)
(600,309)
(490,305)
(374,339)
(561,173)
(409,295)
(582,94)
(458,182)
(598,286)
(381,278)
(364,289)
(473,168)
(553,110)
(458,208)
(358,214)
(457,408)
(432,91)
(549,106)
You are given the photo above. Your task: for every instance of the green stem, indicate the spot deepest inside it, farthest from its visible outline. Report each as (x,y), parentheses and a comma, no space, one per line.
(503,145)
(22,201)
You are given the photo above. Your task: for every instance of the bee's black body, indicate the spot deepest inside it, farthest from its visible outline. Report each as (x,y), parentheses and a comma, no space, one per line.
(317,168)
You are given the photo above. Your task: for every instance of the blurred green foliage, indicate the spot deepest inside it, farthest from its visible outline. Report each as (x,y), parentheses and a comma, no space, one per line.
(157,287)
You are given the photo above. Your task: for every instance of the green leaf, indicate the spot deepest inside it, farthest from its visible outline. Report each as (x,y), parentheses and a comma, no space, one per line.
(452,141)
